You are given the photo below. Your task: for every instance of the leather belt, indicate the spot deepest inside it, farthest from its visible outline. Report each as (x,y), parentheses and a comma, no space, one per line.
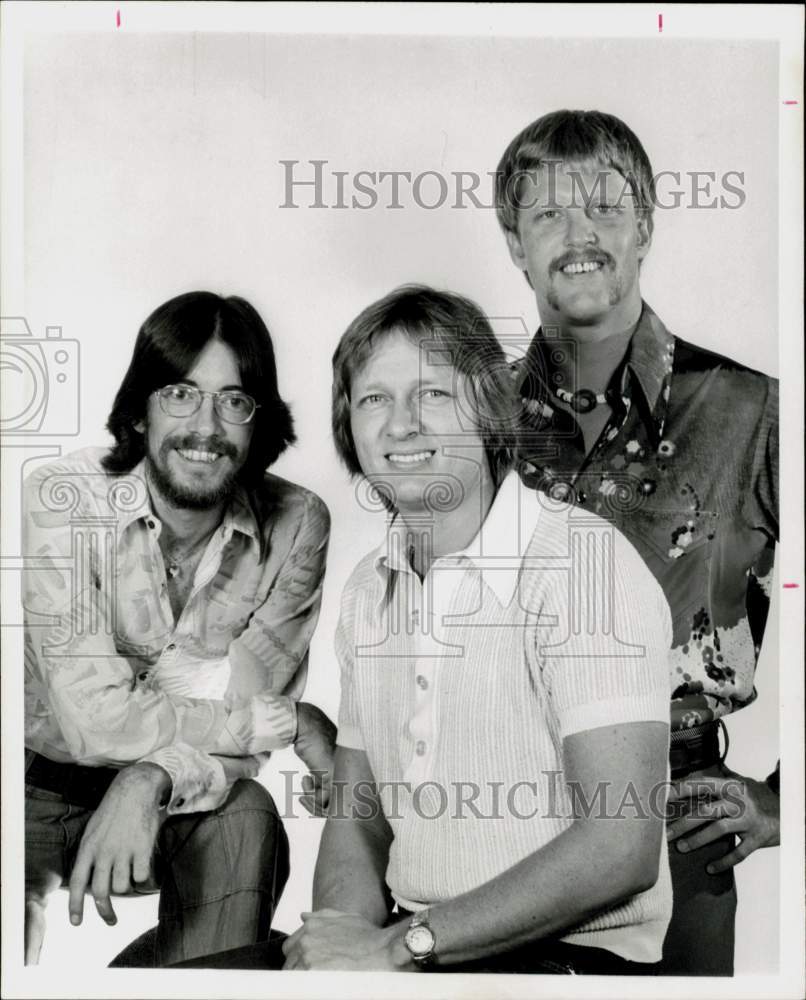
(76,783)
(695,749)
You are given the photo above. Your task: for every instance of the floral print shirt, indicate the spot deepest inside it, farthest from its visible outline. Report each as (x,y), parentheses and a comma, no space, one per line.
(112,678)
(687,468)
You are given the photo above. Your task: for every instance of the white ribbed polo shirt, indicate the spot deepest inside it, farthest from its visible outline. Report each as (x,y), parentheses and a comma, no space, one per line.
(461,688)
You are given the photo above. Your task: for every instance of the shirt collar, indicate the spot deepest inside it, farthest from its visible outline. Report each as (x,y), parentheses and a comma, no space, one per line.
(496,550)
(649,363)
(132,504)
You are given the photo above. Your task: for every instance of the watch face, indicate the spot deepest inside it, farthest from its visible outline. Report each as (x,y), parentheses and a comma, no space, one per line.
(420,941)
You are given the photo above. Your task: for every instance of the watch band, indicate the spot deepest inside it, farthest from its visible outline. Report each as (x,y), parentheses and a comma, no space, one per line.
(420,940)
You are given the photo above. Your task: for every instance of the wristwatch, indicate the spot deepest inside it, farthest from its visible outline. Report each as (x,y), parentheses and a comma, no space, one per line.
(420,940)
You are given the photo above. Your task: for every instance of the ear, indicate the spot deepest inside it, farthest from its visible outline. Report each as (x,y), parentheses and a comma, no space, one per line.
(516,250)
(644,241)
(139,426)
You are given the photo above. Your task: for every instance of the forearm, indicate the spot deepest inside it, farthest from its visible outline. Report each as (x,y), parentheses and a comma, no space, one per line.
(152,780)
(354,850)
(350,871)
(600,860)
(591,866)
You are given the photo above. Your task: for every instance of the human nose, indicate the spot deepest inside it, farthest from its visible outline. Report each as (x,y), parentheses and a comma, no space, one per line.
(403,419)
(580,228)
(205,421)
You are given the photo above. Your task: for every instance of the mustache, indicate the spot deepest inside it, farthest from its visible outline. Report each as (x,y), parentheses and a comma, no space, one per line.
(195,442)
(586,257)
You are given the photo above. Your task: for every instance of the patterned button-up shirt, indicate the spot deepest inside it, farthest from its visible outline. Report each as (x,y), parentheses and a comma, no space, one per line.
(111,676)
(687,468)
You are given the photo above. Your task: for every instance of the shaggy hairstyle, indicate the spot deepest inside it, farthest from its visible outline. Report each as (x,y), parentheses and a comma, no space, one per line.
(454,325)
(167,346)
(579,138)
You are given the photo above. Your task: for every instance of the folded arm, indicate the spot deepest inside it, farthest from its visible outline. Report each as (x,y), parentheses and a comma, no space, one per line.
(107,716)
(610,852)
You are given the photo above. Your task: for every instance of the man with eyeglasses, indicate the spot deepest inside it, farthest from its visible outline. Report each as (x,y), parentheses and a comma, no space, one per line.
(172,586)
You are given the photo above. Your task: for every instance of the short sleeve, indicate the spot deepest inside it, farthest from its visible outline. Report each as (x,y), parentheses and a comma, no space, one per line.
(607,660)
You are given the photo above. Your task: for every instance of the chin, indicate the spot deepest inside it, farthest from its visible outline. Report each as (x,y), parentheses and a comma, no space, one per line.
(188,498)
(190,494)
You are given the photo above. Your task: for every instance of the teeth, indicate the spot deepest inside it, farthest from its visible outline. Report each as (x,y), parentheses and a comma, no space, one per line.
(589,265)
(419,456)
(198,456)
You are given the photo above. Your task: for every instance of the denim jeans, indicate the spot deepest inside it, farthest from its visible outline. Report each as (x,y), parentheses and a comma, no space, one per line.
(220,873)
(546,957)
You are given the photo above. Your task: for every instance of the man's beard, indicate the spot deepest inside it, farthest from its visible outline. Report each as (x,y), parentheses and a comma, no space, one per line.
(191,497)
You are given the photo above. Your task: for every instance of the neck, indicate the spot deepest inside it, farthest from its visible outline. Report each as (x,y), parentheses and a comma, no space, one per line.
(592,363)
(448,531)
(183,525)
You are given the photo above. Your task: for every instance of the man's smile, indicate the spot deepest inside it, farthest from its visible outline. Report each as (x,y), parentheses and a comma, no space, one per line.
(582,268)
(410,458)
(574,264)
(198,457)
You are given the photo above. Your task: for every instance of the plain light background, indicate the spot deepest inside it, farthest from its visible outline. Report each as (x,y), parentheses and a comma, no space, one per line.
(152,167)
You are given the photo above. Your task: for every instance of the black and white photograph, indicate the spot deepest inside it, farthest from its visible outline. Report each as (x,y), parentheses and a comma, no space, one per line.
(402,485)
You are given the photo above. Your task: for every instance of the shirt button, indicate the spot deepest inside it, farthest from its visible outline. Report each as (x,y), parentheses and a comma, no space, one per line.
(143,675)
(422,682)
(420,748)
(150,523)
(171,646)
(179,803)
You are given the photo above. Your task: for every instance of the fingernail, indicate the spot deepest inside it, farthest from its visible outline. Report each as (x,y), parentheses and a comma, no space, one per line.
(682,845)
(710,869)
(75,919)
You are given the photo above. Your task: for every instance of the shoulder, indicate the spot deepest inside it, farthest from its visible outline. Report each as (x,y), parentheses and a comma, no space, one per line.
(77,483)
(277,499)
(586,544)
(76,487)
(364,575)
(695,362)
(363,583)
(85,462)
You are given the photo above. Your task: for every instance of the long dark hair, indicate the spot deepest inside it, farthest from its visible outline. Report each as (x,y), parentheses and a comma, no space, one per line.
(167,346)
